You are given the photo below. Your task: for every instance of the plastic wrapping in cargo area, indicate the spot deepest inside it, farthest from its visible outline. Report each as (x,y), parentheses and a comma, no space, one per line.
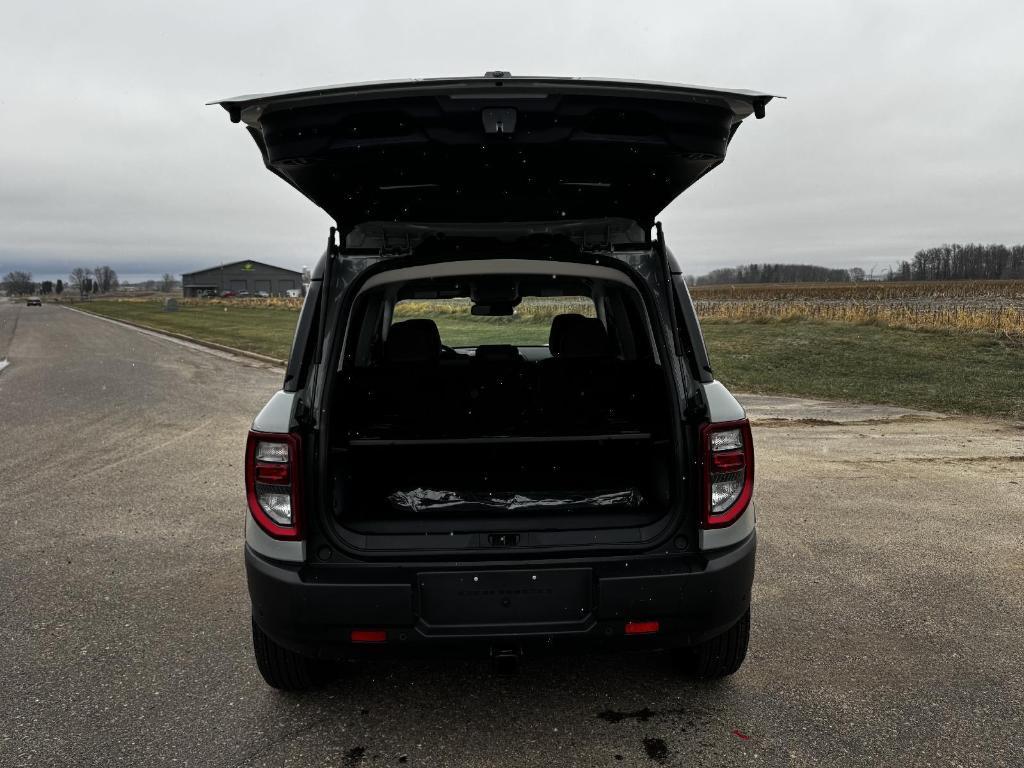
(505,485)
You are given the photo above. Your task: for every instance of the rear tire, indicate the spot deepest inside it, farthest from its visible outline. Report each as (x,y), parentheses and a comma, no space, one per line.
(720,656)
(284,669)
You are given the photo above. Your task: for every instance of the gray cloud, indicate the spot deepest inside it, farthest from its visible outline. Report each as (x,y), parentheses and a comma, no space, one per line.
(903,126)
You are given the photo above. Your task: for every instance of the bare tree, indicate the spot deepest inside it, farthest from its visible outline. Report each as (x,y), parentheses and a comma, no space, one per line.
(972,261)
(81,278)
(18,282)
(167,282)
(106,278)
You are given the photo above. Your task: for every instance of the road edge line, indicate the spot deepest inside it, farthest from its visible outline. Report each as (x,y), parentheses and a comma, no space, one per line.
(182,339)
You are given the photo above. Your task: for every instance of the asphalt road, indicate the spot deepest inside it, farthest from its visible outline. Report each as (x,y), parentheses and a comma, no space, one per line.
(888,611)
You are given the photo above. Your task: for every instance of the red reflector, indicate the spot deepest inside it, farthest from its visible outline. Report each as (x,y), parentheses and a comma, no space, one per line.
(727,461)
(641,627)
(276,474)
(369,636)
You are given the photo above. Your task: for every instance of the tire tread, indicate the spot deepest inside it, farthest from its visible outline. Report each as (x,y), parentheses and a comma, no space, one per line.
(281,668)
(720,656)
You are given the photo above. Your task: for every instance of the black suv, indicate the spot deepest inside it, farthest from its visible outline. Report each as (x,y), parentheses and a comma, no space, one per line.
(498,429)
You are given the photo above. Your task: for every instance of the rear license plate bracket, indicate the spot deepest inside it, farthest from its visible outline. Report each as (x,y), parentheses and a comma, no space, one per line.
(490,598)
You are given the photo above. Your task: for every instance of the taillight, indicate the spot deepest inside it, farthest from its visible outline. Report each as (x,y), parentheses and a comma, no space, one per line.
(369,636)
(642,627)
(272,483)
(728,472)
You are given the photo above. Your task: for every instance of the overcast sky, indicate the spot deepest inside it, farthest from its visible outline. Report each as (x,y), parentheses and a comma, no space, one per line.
(903,128)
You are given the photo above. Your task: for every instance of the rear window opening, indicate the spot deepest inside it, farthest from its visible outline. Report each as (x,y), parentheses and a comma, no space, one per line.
(500,410)
(528,326)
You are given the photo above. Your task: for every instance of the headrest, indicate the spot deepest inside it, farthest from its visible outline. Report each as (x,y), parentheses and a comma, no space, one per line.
(497,353)
(573,335)
(413,341)
(558,325)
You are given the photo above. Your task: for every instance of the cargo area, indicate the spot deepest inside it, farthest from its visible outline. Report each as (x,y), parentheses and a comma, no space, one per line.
(566,432)
(502,487)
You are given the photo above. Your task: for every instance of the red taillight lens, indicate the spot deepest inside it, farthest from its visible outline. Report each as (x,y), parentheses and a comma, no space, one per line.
(275,474)
(728,461)
(272,483)
(642,627)
(369,636)
(728,472)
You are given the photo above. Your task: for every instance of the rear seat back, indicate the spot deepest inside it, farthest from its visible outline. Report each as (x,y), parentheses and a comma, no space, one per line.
(412,341)
(577,382)
(576,336)
(499,396)
(584,387)
(417,391)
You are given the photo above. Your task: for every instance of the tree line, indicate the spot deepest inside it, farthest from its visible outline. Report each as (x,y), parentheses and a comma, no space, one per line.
(86,281)
(776,273)
(82,279)
(972,261)
(945,262)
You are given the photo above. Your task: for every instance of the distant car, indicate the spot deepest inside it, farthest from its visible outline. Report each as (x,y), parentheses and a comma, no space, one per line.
(34,301)
(262,294)
(242,294)
(293,293)
(228,294)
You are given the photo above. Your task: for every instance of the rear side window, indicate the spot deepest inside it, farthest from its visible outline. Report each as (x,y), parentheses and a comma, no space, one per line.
(690,335)
(529,326)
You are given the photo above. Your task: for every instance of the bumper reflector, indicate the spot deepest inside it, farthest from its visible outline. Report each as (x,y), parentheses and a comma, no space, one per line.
(642,627)
(369,636)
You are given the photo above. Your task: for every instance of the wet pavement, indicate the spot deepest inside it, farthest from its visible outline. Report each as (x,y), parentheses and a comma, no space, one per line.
(888,609)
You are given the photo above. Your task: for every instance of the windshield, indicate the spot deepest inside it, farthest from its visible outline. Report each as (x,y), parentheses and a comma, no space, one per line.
(529,326)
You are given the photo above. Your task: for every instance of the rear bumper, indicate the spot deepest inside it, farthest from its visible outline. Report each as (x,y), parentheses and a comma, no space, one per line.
(438,607)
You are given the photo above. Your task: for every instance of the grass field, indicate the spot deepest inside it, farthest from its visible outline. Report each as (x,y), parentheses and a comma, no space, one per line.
(978,374)
(961,369)
(254,328)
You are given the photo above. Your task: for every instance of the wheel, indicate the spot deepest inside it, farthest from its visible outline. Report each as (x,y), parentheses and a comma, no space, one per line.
(284,669)
(720,656)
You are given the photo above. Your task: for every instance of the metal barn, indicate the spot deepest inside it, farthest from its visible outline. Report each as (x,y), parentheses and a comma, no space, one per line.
(250,276)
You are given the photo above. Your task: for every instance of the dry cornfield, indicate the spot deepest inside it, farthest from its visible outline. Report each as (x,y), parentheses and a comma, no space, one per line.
(979,306)
(1011,291)
(992,306)
(276,302)
(531,307)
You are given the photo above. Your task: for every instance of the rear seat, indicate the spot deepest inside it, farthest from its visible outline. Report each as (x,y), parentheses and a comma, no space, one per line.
(404,390)
(413,342)
(417,391)
(583,386)
(499,392)
(577,383)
